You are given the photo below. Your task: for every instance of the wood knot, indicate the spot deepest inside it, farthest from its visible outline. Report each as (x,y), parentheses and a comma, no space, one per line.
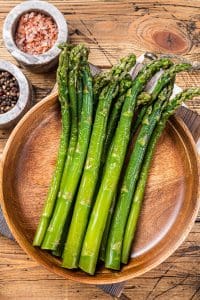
(169,41)
(160,36)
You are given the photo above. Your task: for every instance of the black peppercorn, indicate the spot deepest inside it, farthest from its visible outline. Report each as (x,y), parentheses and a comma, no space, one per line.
(9,91)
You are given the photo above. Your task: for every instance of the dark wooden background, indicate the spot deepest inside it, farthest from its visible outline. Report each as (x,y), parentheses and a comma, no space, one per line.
(111,30)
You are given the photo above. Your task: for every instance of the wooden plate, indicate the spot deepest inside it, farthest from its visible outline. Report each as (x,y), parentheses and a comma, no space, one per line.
(170,205)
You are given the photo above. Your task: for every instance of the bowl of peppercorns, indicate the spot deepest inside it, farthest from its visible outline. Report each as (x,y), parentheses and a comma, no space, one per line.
(15,94)
(32,32)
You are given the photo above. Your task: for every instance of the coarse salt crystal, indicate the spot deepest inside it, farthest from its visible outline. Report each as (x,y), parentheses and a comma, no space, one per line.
(36,33)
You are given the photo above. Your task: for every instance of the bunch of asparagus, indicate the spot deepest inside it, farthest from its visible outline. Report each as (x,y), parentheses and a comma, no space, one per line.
(95,198)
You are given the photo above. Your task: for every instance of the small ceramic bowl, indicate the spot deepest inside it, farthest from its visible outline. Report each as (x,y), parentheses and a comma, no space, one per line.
(36,63)
(10,118)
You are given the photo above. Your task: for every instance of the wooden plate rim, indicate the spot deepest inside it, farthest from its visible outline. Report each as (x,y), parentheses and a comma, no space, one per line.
(32,252)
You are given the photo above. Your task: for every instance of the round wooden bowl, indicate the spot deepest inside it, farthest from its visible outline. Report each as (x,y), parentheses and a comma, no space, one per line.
(169,209)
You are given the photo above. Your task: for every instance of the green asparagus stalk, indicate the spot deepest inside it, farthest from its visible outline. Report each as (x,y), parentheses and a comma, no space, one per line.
(125,84)
(102,79)
(114,163)
(139,193)
(112,124)
(65,200)
(55,182)
(165,78)
(141,99)
(139,119)
(91,170)
(59,250)
(113,120)
(79,95)
(60,246)
(144,98)
(74,65)
(114,117)
(107,229)
(113,253)
(114,246)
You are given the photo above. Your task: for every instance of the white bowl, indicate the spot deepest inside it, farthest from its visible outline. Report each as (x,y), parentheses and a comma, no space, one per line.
(11,117)
(42,62)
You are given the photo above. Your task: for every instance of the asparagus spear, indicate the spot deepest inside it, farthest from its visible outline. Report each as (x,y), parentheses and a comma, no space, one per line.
(165,78)
(113,252)
(55,182)
(139,193)
(60,246)
(59,250)
(139,119)
(114,117)
(142,98)
(114,246)
(91,170)
(74,64)
(103,78)
(64,202)
(100,81)
(79,95)
(97,222)
(107,229)
(112,124)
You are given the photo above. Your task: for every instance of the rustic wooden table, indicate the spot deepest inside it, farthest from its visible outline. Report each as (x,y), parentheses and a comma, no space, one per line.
(111,30)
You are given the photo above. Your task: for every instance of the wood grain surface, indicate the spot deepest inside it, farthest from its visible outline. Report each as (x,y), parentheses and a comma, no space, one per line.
(113,29)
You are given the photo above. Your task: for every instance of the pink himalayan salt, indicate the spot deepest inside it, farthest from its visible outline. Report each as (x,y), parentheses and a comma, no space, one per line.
(36,33)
